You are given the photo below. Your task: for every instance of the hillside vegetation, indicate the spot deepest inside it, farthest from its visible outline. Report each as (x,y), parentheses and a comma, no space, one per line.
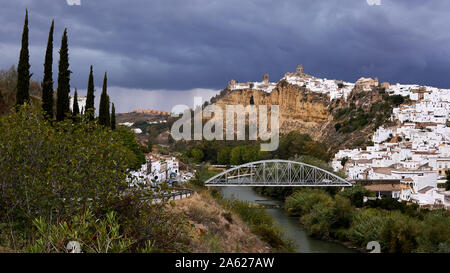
(399,227)
(8,86)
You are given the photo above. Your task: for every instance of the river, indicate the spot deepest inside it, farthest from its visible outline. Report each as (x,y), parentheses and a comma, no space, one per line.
(290,225)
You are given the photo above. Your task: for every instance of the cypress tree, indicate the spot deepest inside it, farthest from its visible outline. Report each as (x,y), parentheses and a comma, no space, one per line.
(47,83)
(90,108)
(113,117)
(63,103)
(23,68)
(108,115)
(75,107)
(103,117)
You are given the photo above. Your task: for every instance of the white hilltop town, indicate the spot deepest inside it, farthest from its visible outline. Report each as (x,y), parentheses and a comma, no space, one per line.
(416,151)
(160,169)
(409,159)
(334,88)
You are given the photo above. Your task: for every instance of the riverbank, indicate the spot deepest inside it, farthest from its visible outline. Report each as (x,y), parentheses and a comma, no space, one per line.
(213,228)
(341,216)
(290,226)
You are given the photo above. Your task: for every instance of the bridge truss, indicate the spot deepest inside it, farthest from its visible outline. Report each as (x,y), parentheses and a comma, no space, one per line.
(279,173)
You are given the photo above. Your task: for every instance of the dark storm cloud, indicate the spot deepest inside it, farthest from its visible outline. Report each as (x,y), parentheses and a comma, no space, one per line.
(179,44)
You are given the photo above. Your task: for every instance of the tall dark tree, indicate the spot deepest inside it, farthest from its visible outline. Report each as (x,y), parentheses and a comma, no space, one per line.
(108,114)
(103,112)
(47,83)
(23,68)
(113,117)
(90,108)
(75,107)
(63,103)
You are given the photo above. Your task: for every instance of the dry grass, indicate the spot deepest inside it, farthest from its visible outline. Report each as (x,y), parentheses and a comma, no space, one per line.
(215,229)
(6,250)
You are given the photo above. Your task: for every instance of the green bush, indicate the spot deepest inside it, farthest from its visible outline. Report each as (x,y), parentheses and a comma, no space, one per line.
(391,204)
(435,233)
(93,235)
(197,155)
(129,141)
(343,212)
(303,202)
(327,216)
(398,226)
(49,169)
(356,194)
(296,144)
(399,234)
(318,223)
(366,226)
(223,156)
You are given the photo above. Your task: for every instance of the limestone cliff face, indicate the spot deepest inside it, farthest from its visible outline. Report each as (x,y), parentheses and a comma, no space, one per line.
(310,112)
(300,109)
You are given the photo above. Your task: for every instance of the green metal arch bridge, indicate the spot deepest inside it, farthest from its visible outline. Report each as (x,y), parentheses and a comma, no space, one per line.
(277,173)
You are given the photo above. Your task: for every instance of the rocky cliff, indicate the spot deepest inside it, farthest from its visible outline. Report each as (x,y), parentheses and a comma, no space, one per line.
(313,113)
(300,109)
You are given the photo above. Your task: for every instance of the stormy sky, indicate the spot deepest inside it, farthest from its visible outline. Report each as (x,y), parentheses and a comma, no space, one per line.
(160,52)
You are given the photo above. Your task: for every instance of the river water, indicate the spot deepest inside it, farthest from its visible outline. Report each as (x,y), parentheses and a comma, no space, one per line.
(290,225)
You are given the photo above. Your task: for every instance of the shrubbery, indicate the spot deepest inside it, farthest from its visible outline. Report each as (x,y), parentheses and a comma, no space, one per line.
(356,194)
(261,223)
(303,202)
(292,145)
(129,141)
(319,212)
(47,170)
(399,227)
(50,171)
(352,118)
(93,235)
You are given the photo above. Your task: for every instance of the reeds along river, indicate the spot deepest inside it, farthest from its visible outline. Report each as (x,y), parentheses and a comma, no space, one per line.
(290,225)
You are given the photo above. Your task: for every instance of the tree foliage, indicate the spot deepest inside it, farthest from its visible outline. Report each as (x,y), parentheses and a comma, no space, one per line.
(23,68)
(295,144)
(355,195)
(75,107)
(47,82)
(90,108)
(113,117)
(63,103)
(128,139)
(49,170)
(103,117)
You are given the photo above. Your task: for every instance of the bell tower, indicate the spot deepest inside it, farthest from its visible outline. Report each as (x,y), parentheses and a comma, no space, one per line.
(266,78)
(300,70)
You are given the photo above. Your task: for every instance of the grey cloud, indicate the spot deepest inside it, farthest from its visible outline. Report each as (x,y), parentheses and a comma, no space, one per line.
(181,45)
